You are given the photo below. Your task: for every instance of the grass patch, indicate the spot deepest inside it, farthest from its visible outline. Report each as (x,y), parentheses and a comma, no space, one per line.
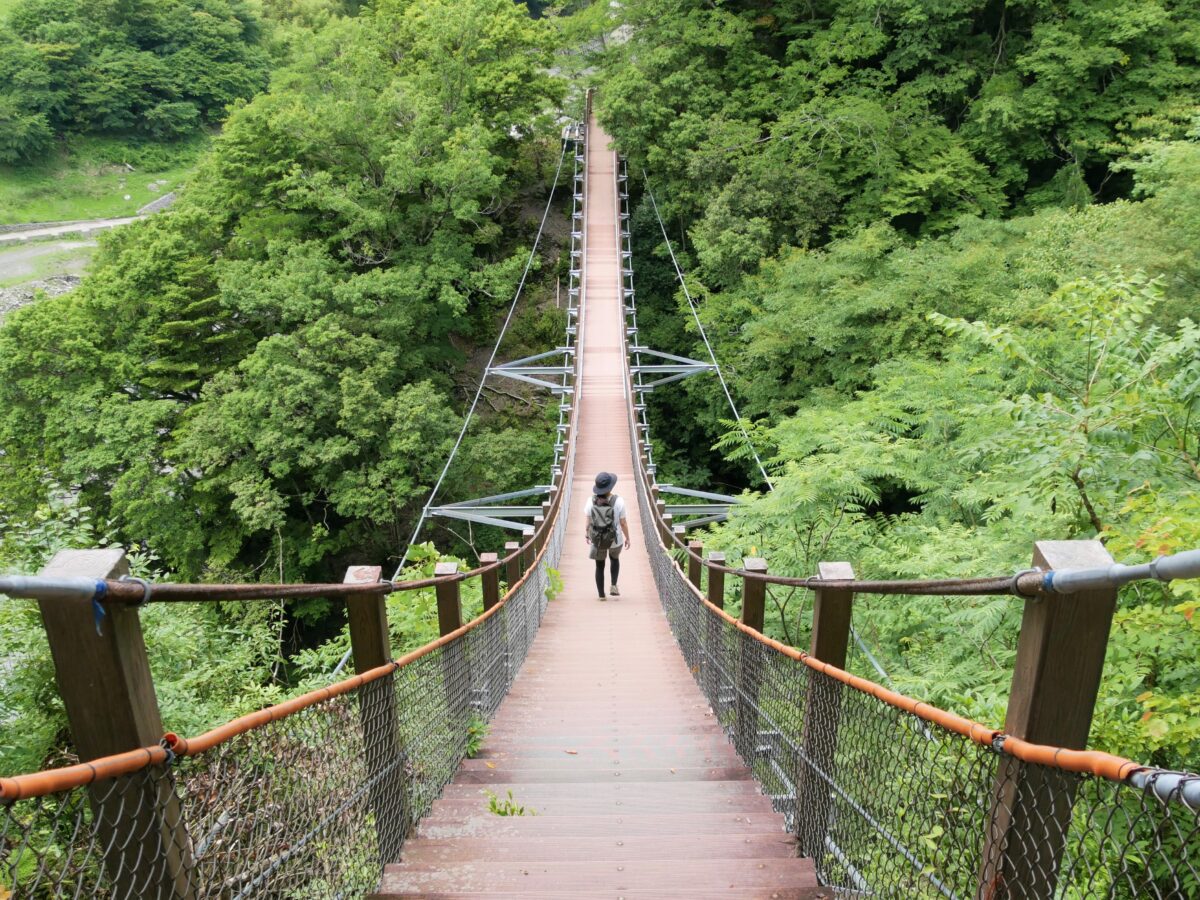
(90,177)
(6,7)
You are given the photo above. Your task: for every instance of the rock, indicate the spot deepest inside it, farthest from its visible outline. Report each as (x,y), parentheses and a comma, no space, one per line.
(157,205)
(24,294)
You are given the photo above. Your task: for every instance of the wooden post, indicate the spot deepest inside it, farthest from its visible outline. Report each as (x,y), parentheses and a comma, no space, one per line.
(667,530)
(694,569)
(513,574)
(106,687)
(370,642)
(714,640)
(449,604)
(1056,676)
(512,569)
(530,550)
(490,580)
(716,581)
(539,533)
(754,594)
(455,673)
(822,711)
(367,615)
(490,584)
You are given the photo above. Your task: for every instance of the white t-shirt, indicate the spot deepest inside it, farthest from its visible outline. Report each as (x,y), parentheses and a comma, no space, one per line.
(618,504)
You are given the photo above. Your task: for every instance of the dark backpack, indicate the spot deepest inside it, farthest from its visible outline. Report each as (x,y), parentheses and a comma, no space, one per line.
(602,524)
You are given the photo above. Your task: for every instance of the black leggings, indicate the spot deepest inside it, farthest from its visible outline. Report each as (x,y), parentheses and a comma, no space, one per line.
(616,570)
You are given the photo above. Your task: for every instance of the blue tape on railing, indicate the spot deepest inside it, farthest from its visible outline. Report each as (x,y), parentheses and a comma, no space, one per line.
(98,606)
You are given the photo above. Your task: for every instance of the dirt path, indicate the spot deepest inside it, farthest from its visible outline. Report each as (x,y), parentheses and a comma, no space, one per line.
(29,261)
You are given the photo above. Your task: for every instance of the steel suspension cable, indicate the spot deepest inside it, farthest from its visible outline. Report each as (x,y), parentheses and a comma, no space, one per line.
(491,359)
(704,335)
(482,381)
(728,396)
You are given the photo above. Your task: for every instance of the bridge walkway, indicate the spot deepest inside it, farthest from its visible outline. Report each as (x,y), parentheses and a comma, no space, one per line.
(629,786)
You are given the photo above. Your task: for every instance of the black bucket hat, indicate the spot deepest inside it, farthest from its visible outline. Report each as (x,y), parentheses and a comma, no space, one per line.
(604,483)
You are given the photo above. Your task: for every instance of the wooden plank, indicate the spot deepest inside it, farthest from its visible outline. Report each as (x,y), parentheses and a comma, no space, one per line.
(566,849)
(477,824)
(613,875)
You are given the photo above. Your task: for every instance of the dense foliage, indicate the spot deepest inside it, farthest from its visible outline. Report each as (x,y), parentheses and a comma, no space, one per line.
(948,348)
(264,382)
(159,68)
(781,124)
(945,249)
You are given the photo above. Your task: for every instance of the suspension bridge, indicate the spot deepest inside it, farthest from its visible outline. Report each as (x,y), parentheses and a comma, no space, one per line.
(649,746)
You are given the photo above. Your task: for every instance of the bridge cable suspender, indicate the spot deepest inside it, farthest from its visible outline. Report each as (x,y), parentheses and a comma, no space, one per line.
(711,354)
(725,387)
(482,380)
(491,359)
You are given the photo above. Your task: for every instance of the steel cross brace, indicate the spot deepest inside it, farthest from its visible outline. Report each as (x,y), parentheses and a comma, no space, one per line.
(521,370)
(477,510)
(678,368)
(716,510)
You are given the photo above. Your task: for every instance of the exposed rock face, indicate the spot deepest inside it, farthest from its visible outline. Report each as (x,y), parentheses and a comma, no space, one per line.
(14,297)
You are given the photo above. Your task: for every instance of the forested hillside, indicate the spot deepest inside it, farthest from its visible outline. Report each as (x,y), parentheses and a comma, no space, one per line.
(263,383)
(946,251)
(153,68)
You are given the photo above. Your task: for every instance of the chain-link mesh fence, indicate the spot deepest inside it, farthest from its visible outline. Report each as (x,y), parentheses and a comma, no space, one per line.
(310,805)
(889,804)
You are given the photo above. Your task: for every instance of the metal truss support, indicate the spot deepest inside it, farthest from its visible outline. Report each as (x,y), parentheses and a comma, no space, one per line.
(675,369)
(485,510)
(716,510)
(522,370)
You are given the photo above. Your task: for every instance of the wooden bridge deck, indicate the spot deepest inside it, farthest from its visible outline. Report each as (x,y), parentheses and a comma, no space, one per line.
(629,786)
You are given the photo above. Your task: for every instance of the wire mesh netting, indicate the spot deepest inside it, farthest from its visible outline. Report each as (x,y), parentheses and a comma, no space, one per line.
(311,805)
(890,805)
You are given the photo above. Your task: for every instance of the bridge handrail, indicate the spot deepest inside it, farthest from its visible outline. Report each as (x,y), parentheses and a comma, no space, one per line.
(52,781)
(893,796)
(139,592)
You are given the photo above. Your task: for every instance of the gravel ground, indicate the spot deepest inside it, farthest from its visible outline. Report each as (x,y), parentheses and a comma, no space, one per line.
(14,297)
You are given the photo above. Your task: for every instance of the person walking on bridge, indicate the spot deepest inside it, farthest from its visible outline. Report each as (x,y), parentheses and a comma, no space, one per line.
(607,529)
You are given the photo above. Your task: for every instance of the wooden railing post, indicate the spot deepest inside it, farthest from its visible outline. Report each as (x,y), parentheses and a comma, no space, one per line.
(530,550)
(370,643)
(456,676)
(822,710)
(716,581)
(449,603)
(1056,677)
(106,687)
(539,532)
(694,568)
(512,573)
(490,585)
(512,569)
(490,580)
(716,631)
(754,593)
(754,596)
